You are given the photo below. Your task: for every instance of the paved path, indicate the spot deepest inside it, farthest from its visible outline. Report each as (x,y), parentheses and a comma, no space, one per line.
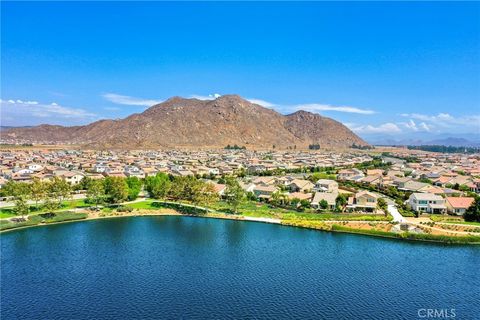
(397,217)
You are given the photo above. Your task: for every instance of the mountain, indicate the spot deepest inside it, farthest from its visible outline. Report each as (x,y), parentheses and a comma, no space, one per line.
(439,141)
(180,122)
(453,142)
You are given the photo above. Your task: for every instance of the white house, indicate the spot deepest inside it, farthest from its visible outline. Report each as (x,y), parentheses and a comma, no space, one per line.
(427,202)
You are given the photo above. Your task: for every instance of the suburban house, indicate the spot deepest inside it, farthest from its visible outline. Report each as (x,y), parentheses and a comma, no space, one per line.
(265,181)
(299,196)
(71,177)
(350,174)
(325,185)
(458,205)
(219,188)
(413,186)
(329,197)
(300,185)
(133,171)
(264,192)
(427,202)
(363,201)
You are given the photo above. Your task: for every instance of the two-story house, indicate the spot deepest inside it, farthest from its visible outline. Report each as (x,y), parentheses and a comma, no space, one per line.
(427,202)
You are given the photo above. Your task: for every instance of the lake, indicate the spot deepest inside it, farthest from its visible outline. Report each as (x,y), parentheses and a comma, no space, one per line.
(196,268)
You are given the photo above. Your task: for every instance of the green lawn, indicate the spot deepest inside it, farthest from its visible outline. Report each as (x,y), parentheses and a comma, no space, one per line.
(4,215)
(38,218)
(146,205)
(67,204)
(452,219)
(247,208)
(258,209)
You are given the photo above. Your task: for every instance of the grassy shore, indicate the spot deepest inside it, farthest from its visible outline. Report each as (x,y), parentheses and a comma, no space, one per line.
(65,205)
(412,236)
(325,221)
(38,219)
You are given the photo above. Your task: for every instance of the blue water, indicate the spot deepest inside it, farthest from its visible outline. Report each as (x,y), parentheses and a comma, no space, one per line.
(196,268)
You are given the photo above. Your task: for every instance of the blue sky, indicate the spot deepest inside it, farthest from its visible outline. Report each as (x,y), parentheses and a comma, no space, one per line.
(385,69)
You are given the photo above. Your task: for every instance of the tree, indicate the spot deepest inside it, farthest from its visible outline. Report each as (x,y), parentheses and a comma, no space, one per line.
(181,188)
(96,191)
(158,186)
(134,187)
(84,183)
(50,205)
(203,193)
(295,202)
(59,188)
(473,212)
(21,207)
(116,189)
(16,189)
(275,198)
(382,204)
(304,204)
(38,190)
(234,193)
(323,204)
(340,201)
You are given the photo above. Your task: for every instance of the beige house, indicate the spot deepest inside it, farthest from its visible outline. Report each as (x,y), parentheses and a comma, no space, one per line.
(326,185)
(300,185)
(458,205)
(363,201)
(264,192)
(329,197)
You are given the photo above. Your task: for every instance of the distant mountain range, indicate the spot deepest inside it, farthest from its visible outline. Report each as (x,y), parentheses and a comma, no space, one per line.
(448,141)
(180,122)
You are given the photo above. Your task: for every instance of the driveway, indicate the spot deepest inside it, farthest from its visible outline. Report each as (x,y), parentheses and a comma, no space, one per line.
(397,217)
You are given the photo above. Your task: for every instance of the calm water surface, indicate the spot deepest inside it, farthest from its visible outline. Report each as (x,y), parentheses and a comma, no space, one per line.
(183,267)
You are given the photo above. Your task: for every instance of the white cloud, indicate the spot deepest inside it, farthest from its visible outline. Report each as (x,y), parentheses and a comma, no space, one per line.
(209,97)
(262,103)
(445,120)
(312,107)
(19,112)
(130,101)
(412,125)
(315,107)
(388,127)
(214,96)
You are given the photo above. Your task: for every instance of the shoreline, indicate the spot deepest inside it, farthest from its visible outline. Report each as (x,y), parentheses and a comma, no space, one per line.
(386,235)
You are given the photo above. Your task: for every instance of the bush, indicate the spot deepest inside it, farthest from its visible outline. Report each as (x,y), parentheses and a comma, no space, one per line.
(124,209)
(44,218)
(180,208)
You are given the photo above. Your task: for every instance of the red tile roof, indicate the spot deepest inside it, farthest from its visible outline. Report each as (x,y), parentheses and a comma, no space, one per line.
(460,202)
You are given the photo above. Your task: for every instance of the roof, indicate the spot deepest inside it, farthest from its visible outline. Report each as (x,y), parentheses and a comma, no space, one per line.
(366,193)
(326,181)
(265,188)
(302,183)
(460,202)
(329,197)
(426,196)
(300,195)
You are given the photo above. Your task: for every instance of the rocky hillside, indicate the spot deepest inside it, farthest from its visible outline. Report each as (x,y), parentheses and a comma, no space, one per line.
(180,122)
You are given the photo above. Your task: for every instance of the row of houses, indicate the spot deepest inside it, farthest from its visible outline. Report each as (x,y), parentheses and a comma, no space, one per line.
(23,165)
(435,204)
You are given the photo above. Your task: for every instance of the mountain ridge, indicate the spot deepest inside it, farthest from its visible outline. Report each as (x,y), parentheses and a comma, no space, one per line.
(181,122)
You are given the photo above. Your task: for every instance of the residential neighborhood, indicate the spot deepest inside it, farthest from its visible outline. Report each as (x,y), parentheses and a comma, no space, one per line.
(432,184)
